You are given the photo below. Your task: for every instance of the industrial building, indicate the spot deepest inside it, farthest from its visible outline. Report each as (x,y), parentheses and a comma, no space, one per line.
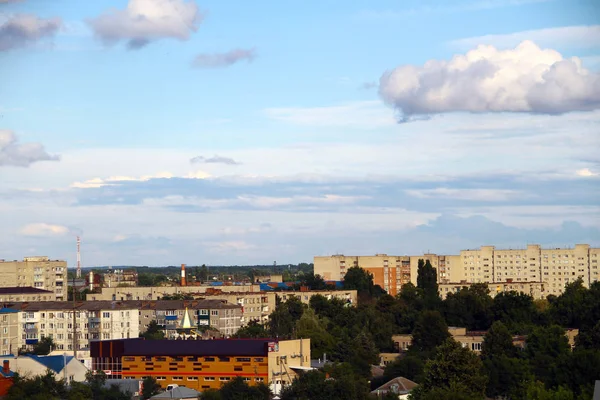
(203,364)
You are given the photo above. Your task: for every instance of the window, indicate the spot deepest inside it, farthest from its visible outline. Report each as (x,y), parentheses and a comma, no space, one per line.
(192,378)
(161,378)
(224,378)
(106,315)
(214,312)
(177,378)
(209,378)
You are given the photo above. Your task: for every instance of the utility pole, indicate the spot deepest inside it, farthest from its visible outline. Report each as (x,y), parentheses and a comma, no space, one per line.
(74,321)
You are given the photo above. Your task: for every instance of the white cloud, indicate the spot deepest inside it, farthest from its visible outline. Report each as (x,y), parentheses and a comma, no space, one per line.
(144,21)
(21,30)
(488,195)
(113,180)
(13,153)
(586,172)
(221,60)
(362,114)
(216,159)
(525,79)
(584,36)
(43,229)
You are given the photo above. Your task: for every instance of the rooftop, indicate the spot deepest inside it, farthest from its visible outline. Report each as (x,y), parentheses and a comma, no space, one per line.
(23,290)
(215,347)
(98,305)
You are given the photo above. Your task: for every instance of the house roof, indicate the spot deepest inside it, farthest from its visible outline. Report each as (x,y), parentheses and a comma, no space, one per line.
(54,363)
(23,290)
(180,392)
(399,385)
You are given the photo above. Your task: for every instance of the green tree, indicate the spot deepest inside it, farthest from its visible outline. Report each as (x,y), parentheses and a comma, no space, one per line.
(203,273)
(589,339)
(154,332)
(311,326)
(537,391)
(314,282)
(252,329)
(44,346)
(514,309)
(337,382)
(149,387)
(430,331)
(469,307)
(427,277)
(509,377)
(282,321)
(409,366)
(578,371)
(498,342)
(362,281)
(545,345)
(237,389)
(453,367)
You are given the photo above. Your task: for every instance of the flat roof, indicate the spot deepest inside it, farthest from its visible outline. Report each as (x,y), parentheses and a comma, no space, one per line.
(102,305)
(23,290)
(216,347)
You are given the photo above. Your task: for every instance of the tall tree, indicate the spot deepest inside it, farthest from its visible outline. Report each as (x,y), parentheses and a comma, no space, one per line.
(545,345)
(453,369)
(149,387)
(360,280)
(498,342)
(252,329)
(153,332)
(430,331)
(426,277)
(470,307)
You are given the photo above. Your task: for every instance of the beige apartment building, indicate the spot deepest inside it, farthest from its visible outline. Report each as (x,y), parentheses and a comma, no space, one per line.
(554,268)
(390,272)
(158,292)
(537,290)
(9,330)
(37,272)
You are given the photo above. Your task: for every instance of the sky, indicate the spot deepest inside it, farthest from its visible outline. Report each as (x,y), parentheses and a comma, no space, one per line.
(227,133)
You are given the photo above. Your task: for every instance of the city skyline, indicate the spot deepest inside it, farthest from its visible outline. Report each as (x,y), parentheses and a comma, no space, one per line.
(211,133)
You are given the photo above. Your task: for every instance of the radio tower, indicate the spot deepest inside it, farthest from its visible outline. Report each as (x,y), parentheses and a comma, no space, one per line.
(78,258)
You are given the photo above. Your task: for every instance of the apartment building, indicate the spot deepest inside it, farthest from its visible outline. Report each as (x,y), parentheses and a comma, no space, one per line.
(169,314)
(204,364)
(390,272)
(36,272)
(25,294)
(9,330)
(256,306)
(87,320)
(553,267)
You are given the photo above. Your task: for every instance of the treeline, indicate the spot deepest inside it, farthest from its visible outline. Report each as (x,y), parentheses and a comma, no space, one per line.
(352,337)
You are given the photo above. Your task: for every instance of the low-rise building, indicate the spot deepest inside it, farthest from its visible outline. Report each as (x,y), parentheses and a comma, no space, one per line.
(62,366)
(6,378)
(256,306)
(204,364)
(348,296)
(159,292)
(119,278)
(37,272)
(26,293)
(537,290)
(169,314)
(473,340)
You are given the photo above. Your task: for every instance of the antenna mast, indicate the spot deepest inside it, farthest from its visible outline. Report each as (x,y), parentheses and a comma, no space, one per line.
(78,258)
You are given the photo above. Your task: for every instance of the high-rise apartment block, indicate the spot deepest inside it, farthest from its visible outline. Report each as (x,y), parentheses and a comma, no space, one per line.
(37,272)
(549,269)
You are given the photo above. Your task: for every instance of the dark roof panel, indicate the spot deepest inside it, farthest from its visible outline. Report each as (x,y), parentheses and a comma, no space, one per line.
(23,290)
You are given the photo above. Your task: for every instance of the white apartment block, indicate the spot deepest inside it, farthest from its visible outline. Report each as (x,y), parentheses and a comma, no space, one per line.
(87,320)
(552,269)
(36,272)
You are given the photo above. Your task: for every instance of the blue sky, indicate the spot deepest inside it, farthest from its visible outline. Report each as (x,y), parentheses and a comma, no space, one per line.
(173,131)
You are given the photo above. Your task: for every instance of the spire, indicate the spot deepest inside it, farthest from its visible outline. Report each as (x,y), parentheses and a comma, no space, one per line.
(186,322)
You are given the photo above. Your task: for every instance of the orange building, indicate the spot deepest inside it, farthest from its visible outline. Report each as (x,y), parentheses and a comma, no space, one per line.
(202,364)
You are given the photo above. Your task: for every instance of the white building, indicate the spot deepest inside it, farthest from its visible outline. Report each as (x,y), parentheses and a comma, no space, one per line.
(63,366)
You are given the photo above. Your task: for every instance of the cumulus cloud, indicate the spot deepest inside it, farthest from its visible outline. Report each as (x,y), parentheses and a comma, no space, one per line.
(144,21)
(43,229)
(221,60)
(13,153)
(524,79)
(114,180)
(586,172)
(216,159)
(21,30)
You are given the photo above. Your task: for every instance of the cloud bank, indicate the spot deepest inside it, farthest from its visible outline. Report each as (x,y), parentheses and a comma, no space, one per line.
(524,79)
(144,21)
(221,60)
(216,159)
(12,153)
(43,229)
(24,29)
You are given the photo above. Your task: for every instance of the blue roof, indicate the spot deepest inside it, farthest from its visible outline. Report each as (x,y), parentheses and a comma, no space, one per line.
(265,287)
(55,363)
(5,310)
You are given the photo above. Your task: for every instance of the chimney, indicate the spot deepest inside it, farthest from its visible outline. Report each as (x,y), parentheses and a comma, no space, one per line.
(183,282)
(6,367)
